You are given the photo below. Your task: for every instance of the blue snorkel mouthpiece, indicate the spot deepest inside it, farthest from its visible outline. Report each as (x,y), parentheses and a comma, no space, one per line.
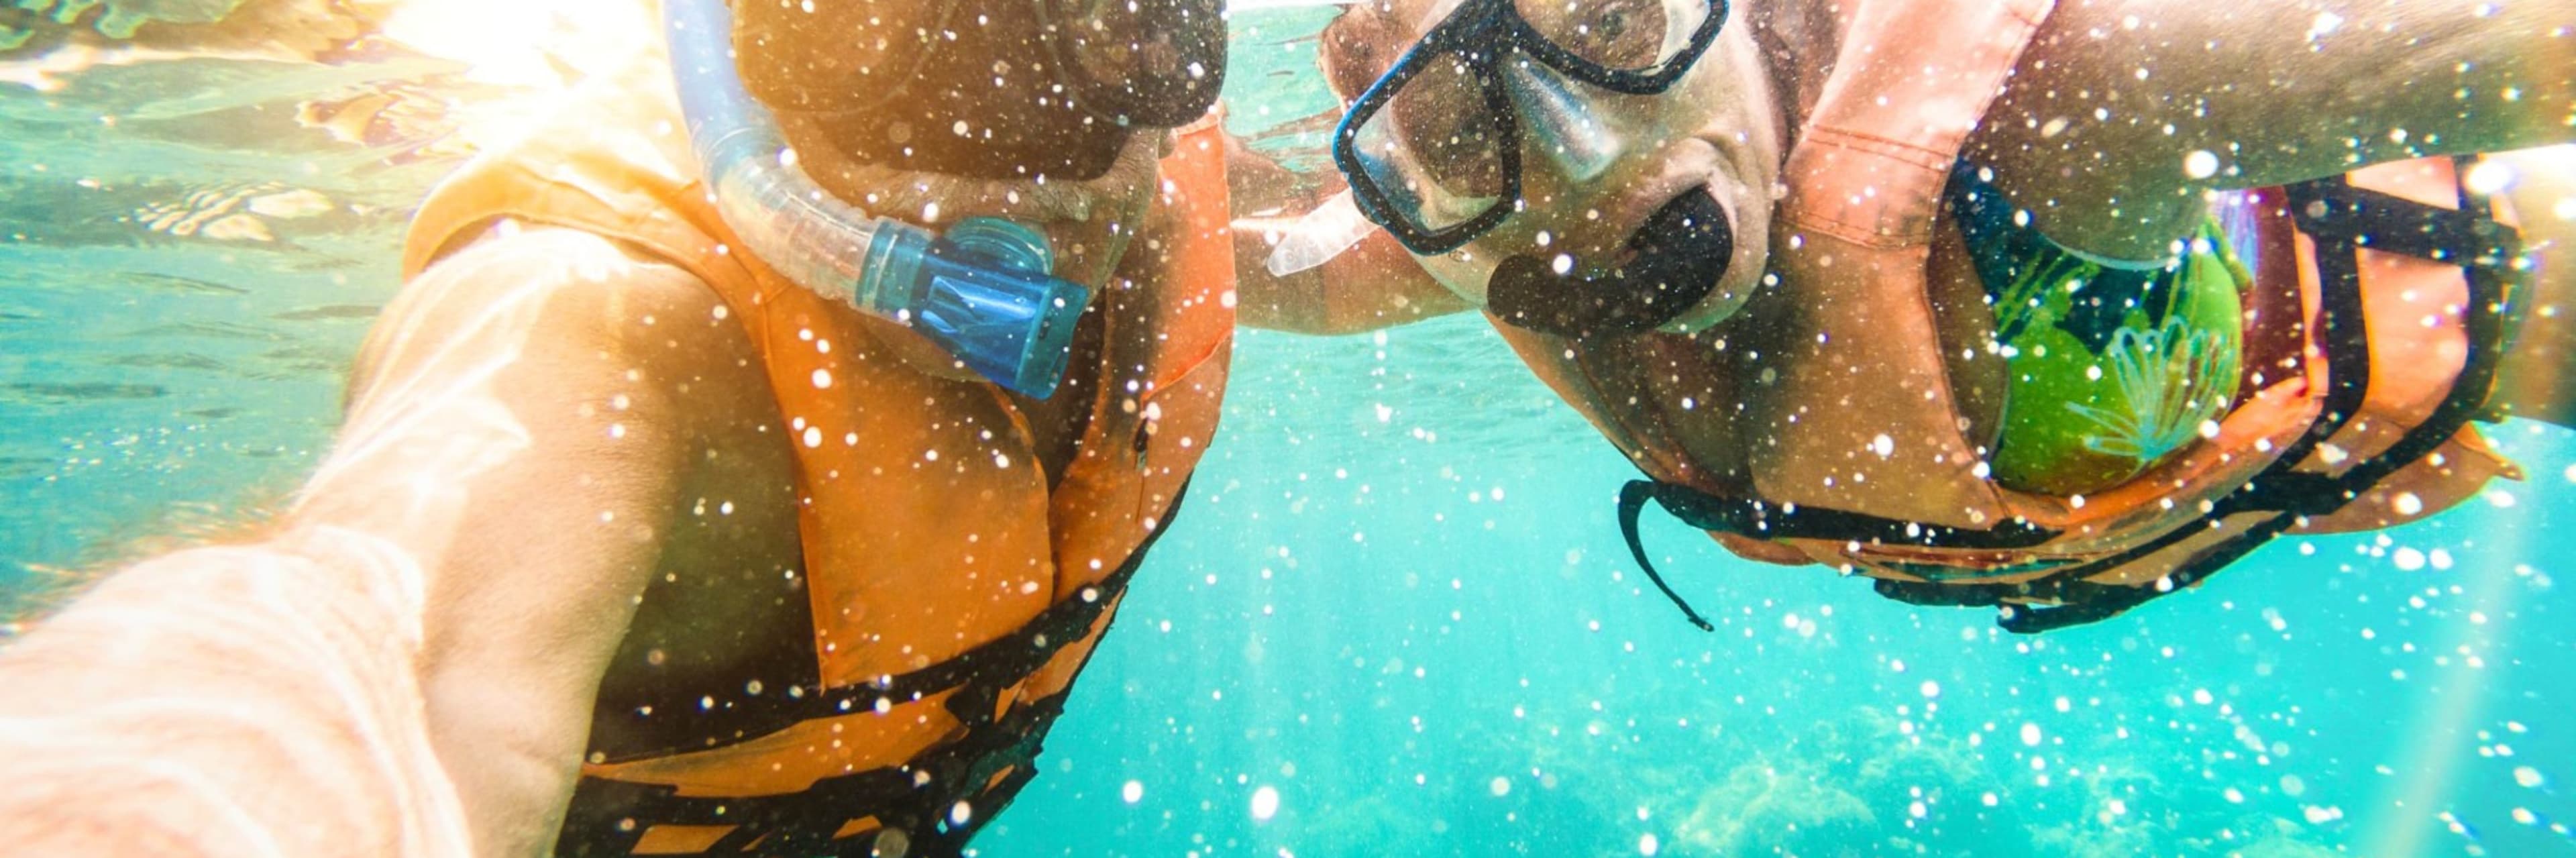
(984,292)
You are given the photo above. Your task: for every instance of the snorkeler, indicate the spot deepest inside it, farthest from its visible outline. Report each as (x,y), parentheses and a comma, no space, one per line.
(2052,307)
(746,471)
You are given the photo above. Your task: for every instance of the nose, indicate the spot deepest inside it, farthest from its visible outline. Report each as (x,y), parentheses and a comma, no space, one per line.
(1559,123)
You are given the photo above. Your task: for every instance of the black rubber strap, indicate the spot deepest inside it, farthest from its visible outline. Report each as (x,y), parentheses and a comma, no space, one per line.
(609,817)
(1632,501)
(2342,220)
(1758,520)
(2343,326)
(980,672)
(606,817)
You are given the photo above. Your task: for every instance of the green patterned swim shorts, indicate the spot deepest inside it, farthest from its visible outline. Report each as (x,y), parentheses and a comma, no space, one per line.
(2113,364)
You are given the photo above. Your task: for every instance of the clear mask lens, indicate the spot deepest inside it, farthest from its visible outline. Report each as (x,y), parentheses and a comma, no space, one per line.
(1621,35)
(1436,148)
(1561,125)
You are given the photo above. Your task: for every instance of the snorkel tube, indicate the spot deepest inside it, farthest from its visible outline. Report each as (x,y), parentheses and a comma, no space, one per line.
(984,292)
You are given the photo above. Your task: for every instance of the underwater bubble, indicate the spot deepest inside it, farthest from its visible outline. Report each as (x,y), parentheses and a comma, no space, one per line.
(1648,845)
(1132,792)
(1502,786)
(2409,559)
(2406,503)
(2030,734)
(2488,177)
(2528,777)
(1931,689)
(2200,164)
(1265,804)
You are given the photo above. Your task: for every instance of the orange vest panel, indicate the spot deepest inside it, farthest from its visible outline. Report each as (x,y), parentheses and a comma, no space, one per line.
(1848,401)
(927,524)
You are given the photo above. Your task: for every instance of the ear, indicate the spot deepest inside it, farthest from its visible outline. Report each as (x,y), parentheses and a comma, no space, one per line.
(1359,45)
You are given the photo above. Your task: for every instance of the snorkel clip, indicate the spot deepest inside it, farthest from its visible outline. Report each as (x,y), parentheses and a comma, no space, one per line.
(984,293)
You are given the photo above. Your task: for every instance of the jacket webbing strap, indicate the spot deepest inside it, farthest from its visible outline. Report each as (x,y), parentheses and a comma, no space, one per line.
(2342,220)
(915,798)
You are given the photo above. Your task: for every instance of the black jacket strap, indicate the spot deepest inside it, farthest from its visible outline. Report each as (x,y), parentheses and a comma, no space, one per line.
(2343,220)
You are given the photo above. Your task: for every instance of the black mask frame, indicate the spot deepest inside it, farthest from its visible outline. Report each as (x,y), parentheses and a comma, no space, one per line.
(1479,35)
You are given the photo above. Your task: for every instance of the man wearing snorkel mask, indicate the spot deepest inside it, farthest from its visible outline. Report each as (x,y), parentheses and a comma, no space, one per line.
(723,481)
(2055,307)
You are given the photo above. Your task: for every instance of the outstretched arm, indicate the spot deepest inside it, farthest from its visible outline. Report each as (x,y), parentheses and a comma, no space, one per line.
(406,667)
(1374,284)
(2122,111)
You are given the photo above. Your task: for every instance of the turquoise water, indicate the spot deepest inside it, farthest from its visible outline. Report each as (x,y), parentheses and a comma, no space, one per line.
(1397,600)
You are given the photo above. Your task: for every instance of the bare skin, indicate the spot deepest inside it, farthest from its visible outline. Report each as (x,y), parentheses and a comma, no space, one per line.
(2113,97)
(494,385)
(541,428)
(2223,79)
(1725,134)
(1373,285)
(634,425)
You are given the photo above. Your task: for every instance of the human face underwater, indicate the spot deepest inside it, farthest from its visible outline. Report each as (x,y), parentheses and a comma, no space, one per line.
(1582,169)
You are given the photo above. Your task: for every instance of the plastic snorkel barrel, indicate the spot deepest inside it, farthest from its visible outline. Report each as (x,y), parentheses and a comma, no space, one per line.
(984,293)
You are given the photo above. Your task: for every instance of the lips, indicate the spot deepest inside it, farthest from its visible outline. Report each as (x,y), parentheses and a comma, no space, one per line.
(1675,259)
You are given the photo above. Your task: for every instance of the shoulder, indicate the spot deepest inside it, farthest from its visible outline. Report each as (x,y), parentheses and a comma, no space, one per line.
(556,298)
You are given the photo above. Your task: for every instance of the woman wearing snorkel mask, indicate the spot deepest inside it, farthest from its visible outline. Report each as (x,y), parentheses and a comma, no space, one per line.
(723,481)
(2055,307)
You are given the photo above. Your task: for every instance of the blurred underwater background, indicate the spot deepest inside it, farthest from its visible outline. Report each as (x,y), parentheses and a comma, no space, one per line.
(1395,617)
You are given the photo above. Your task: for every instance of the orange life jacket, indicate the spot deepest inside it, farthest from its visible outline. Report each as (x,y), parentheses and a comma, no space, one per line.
(953,596)
(2372,334)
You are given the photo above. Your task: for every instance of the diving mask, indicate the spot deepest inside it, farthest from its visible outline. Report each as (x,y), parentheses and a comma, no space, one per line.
(983,292)
(1433,152)
(1433,148)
